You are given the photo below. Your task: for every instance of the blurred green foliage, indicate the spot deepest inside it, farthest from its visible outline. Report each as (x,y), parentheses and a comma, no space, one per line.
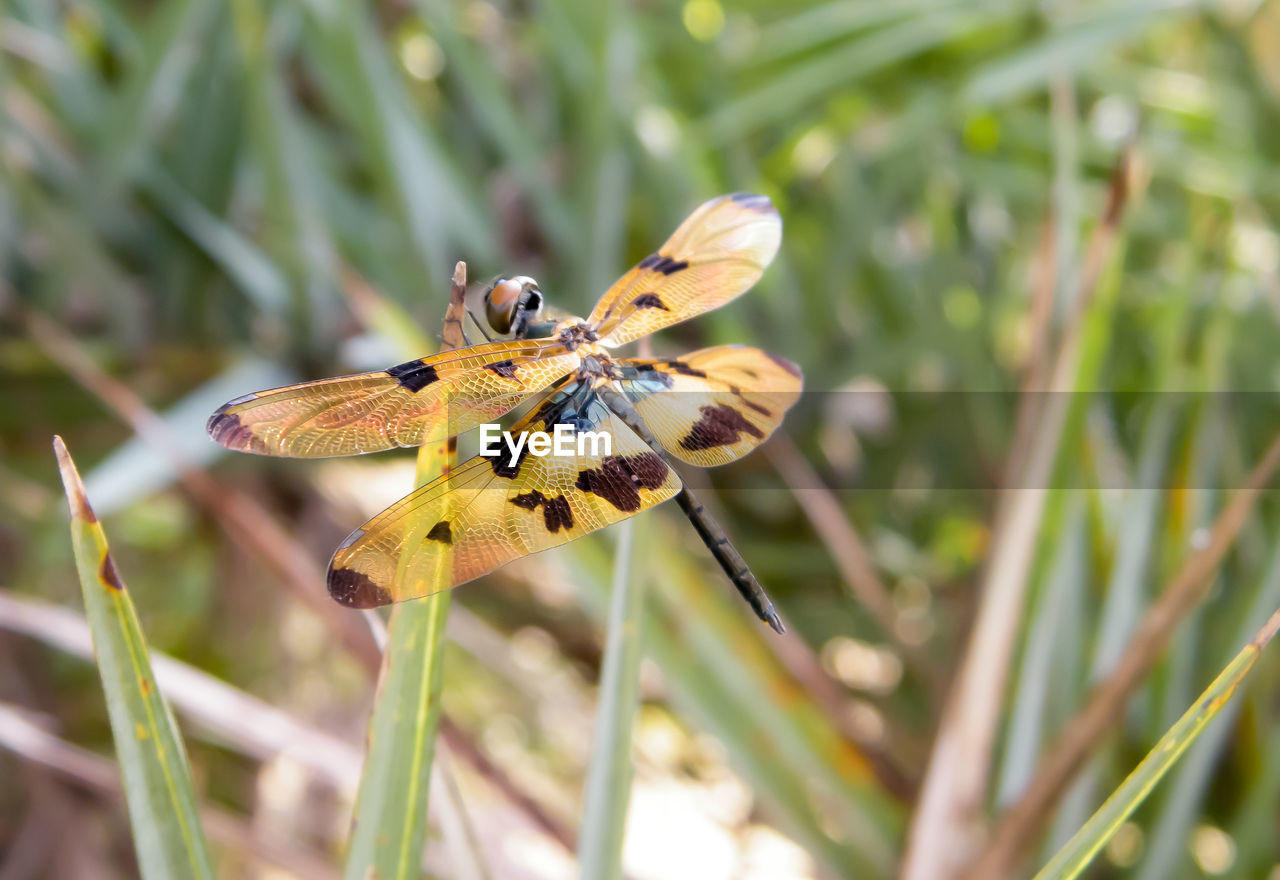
(190,187)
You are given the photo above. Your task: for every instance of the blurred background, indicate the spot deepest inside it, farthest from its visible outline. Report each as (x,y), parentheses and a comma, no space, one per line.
(982,201)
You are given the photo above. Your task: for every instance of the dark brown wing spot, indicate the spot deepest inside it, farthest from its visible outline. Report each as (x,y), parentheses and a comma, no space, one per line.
(755,406)
(529,500)
(506,369)
(648,470)
(414,375)
(619,478)
(665,265)
(556,513)
(441,532)
(227,430)
(720,425)
(684,369)
(354,589)
(108,575)
(504,463)
(649,301)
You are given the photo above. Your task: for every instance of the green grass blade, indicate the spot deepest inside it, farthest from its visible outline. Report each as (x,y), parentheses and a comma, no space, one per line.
(828,22)
(150,96)
(1074,45)
(1073,858)
(1163,855)
(608,789)
(408,159)
(157,781)
(243,262)
(803,83)
(391,806)
(1045,642)
(723,677)
(502,122)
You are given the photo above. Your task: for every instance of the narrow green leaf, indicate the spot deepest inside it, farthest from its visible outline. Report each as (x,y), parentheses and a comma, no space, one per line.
(608,789)
(502,122)
(149,96)
(1163,853)
(722,676)
(805,82)
(157,781)
(1073,858)
(409,160)
(292,193)
(391,806)
(828,22)
(1044,643)
(243,262)
(1074,45)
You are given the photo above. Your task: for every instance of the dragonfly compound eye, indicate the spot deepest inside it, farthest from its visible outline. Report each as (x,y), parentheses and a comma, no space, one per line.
(500,303)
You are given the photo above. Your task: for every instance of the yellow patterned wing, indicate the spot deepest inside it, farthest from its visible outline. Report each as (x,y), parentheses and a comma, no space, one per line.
(715,405)
(490,511)
(411,404)
(718,252)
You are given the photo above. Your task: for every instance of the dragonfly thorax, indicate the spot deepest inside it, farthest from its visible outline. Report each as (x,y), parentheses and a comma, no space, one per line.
(575,332)
(597,366)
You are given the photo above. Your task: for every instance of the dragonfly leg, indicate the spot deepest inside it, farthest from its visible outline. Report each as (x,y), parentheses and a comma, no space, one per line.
(479,326)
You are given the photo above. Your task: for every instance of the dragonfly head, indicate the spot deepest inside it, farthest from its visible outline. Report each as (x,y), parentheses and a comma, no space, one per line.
(511,304)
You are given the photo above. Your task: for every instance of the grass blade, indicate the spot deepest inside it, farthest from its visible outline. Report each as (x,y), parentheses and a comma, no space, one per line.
(157,781)
(1072,46)
(723,677)
(408,159)
(1073,858)
(608,789)
(1091,724)
(1163,855)
(150,96)
(962,749)
(243,262)
(391,807)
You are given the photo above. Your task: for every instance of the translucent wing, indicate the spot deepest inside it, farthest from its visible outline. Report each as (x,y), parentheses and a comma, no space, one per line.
(489,511)
(718,252)
(715,405)
(412,404)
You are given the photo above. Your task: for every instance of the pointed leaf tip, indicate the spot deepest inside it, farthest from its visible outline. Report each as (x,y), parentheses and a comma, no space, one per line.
(76,498)
(1268,631)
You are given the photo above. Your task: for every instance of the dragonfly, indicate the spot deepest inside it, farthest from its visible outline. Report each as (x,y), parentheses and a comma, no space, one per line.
(706,408)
